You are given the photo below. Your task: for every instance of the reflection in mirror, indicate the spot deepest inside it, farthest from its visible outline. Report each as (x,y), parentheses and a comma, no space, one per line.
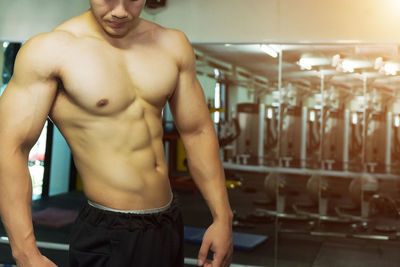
(312,131)
(10,50)
(248,103)
(3,46)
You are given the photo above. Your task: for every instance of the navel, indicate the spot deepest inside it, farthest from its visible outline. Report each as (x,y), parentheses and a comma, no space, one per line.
(101,103)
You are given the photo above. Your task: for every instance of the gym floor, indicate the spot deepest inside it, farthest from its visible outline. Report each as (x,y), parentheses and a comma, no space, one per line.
(283,248)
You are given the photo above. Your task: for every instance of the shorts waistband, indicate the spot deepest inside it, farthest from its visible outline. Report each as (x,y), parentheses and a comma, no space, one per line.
(144,211)
(117,219)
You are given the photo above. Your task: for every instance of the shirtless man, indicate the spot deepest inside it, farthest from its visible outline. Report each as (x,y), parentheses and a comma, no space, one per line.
(103,78)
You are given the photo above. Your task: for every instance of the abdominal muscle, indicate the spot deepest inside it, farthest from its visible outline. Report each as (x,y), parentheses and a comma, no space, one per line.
(120,160)
(126,183)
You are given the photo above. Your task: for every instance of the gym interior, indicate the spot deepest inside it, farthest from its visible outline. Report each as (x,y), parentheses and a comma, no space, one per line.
(303,95)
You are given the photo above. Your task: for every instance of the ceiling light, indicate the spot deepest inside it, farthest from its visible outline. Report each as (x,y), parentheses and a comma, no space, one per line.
(216,73)
(397,121)
(347,66)
(336,61)
(318,107)
(390,68)
(312,115)
(378,63)
(305,63)
(354,118)
(270,113)
(276,48)
(269,50)
(5,44)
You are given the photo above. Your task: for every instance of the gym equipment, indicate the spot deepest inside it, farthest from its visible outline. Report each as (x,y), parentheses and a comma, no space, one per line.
(277,191)
(366,184)
(54,217)
(273,181)
(271,133)
(243,225)
(313,140)
(291,136)
(241,241)
(361,190)
(382,205)
(229,131)
(255,218)
(191,261)
(375,142)
(232,184)
(355,136)
(321,191)
(41,244)
(395,150)
(315,185)
(332,155)
(247,141)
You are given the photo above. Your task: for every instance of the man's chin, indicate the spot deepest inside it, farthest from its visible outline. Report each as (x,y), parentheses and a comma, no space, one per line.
(116,34)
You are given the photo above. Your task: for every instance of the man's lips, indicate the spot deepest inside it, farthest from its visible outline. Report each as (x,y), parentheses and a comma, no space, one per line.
(116,24)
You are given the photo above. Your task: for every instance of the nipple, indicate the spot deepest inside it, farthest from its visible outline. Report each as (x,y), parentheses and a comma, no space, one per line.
(102,103)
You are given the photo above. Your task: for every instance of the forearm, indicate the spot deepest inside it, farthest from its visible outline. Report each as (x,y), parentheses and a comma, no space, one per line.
(206,168)
(15,204)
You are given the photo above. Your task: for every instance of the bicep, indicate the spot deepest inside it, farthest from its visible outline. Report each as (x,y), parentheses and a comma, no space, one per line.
(23,112)
(25,104)
(188,105)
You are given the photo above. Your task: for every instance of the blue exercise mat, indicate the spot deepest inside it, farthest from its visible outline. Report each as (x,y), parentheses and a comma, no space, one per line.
(241,241)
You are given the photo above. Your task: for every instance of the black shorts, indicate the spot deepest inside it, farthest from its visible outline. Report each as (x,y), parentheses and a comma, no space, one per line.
(103,238)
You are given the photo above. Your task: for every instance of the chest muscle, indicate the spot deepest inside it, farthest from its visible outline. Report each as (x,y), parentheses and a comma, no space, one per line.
(103,80)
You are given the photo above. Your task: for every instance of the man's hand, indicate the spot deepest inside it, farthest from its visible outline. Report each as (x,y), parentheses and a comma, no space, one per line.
(36,261)
(218,239)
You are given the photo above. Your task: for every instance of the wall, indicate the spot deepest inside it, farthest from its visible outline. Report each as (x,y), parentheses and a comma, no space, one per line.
(230,20)
(282,20)
(21,19)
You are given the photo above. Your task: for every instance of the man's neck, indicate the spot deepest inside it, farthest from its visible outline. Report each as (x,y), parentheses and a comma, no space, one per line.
(119,41)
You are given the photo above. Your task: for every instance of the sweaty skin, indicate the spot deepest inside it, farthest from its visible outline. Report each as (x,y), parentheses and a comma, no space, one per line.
(103,78)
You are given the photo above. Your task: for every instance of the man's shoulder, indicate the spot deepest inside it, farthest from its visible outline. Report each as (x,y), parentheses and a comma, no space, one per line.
(174,41)
(171,36)
(49,43)
(45,50)
(48,40)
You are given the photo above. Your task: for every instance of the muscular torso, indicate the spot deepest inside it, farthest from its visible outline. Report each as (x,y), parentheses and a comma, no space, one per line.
(108,107)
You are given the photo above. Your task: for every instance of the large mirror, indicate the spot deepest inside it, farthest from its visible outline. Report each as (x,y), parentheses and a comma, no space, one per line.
(311,132)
